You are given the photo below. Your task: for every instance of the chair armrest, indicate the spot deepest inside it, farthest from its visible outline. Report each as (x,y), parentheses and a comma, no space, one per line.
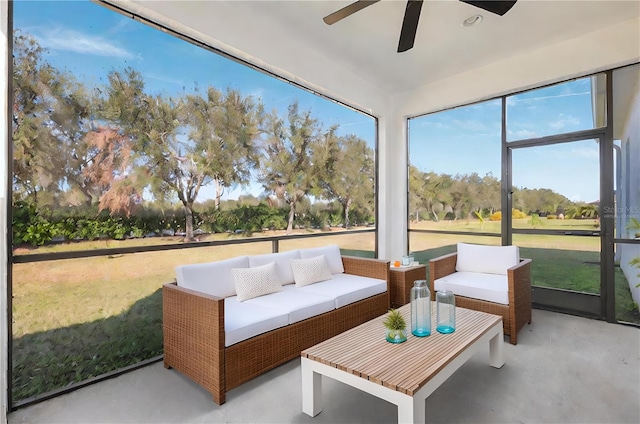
(440,267)
(366,267)
(519,278)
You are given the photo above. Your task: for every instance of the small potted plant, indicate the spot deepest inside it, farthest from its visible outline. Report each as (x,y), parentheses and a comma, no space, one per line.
(396,327)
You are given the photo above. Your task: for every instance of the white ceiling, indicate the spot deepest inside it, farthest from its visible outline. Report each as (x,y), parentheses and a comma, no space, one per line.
(358,54)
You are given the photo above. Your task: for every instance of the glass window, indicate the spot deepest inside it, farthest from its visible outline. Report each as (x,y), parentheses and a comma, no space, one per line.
(454,172)
(562,108)
(125,136)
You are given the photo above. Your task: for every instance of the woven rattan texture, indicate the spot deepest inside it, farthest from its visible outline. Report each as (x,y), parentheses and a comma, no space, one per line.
(193,328)
(401,281)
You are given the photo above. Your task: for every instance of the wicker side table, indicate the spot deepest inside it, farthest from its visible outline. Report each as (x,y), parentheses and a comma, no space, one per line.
(401,281)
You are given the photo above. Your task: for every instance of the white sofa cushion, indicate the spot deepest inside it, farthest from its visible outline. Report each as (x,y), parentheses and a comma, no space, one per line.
(213,278)
(296,304)
(486,259)
(243,320)
(476,285)
(256,281)
(282,263)
(309,271)
(331,254)
(346,288)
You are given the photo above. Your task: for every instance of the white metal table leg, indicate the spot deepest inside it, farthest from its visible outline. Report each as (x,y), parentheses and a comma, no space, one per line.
(311,389)
(411,410)
(496,349)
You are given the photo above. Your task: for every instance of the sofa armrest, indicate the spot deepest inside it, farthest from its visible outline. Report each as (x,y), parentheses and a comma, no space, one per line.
(440,267)
(366,267)
(194,337)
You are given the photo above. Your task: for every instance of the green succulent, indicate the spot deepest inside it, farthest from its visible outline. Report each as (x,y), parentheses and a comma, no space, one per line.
(395,321)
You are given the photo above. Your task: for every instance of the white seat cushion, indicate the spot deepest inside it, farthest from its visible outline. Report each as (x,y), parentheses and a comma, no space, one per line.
(331,254)
(296,304)
(213,278)
(347,288)
(282,263)
(243,320)
(486,259)
(489,287)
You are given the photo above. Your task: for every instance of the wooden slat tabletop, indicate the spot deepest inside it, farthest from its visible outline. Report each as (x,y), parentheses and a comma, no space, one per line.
(404,367)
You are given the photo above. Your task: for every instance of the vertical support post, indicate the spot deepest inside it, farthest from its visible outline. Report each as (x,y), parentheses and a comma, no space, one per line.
(311,389)
(607,220)
(275,246)
(506,181)
(6,172)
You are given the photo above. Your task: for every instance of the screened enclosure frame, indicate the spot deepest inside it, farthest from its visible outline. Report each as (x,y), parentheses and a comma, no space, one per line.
(601,305)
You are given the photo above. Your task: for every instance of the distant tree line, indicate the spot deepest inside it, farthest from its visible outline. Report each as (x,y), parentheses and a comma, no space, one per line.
(435,197)
(115,152)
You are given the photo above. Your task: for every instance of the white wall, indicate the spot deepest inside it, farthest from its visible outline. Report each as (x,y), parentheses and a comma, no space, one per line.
(4,96)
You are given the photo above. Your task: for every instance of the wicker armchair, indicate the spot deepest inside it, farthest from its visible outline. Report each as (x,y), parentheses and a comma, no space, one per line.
(515,314)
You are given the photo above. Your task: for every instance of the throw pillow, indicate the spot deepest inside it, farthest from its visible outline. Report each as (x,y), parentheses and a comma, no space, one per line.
(310,270)
(331,254)
(256,281)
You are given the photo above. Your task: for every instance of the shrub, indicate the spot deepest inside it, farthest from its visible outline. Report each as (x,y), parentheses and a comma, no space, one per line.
(552,216)
(496,216)
(518,214)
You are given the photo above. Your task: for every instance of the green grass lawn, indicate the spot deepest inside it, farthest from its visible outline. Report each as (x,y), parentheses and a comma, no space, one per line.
(79,318)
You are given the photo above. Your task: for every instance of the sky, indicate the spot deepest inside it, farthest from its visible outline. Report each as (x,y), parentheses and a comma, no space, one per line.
(90,40)
(571,169)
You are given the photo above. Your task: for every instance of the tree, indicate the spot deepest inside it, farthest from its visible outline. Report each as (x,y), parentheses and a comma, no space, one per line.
(181,146)
(224,130)
(289,170)
(49,119)
(104,171)
(349,174)
(417,200)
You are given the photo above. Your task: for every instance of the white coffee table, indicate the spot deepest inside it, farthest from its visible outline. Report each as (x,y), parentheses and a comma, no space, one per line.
(404,374)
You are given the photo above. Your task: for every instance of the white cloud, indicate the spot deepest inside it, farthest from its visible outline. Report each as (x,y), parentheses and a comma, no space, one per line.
(438,124)
(516,100)
(74,41)
(585,152)
(523,134)
(348,124)
(470,124)
(164,79)
(563,121)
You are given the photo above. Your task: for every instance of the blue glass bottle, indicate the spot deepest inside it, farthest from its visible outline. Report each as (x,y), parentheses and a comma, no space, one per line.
(420,309)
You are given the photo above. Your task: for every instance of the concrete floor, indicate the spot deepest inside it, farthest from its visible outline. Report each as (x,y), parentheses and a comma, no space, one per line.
(564,369)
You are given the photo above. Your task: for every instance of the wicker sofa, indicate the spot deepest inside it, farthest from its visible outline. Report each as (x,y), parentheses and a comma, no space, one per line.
(204,337)
(492,279)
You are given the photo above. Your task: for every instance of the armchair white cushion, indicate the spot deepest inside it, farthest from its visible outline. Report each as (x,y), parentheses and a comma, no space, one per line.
(486,259)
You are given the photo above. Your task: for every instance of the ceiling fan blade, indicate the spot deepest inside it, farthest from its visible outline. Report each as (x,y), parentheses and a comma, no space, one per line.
(499,7)
(409,25)
(347,10)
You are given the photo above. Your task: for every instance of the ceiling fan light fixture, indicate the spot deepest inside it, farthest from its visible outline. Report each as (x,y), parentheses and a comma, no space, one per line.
(472,20)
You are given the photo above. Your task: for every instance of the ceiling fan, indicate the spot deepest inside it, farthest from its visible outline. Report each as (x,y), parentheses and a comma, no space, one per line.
(412,15)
